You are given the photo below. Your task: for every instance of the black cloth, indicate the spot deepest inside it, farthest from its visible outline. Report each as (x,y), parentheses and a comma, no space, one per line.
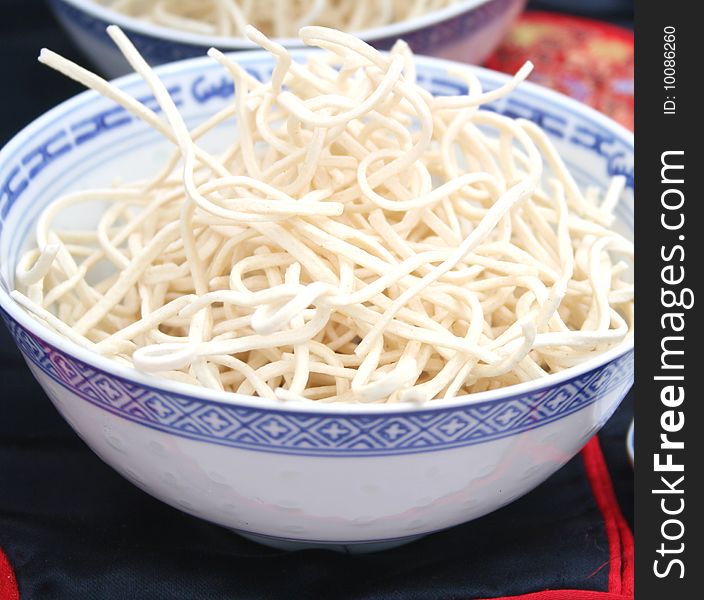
(73,529)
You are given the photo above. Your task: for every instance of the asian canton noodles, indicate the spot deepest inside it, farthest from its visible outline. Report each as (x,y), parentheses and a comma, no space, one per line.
(359,241)
(278,18)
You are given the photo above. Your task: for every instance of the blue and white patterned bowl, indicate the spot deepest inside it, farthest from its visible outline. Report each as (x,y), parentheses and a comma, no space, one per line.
(355,476)
(467,31)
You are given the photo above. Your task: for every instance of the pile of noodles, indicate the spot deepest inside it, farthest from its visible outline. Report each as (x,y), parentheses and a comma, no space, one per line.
(277,18)
(360,240)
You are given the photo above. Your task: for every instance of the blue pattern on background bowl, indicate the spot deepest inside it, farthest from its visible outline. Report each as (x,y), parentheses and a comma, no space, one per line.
(354,477)
(467,31)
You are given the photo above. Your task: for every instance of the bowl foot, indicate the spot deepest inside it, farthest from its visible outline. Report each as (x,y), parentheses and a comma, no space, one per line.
(348,548)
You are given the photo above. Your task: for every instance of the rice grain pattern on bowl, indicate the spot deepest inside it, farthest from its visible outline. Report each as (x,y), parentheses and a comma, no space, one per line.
(358,477)
(467,31)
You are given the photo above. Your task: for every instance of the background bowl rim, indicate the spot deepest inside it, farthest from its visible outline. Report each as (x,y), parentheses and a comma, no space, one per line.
(112,368)
(178,36)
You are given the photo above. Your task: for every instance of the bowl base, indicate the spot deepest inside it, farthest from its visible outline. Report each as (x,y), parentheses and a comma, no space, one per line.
(348,548)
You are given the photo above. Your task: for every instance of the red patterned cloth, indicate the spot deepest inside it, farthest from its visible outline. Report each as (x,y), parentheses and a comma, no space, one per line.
(588,60)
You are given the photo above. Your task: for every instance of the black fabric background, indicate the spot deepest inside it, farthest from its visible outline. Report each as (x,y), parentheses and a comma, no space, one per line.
(73,529)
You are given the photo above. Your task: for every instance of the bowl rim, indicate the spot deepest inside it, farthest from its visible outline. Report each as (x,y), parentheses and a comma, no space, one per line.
(394,30)
(110,367)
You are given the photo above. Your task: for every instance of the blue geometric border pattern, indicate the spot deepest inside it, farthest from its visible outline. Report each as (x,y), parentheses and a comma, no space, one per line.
(316,434)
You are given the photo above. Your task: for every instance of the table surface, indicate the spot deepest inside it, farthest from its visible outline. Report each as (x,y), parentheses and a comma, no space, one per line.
(73,529)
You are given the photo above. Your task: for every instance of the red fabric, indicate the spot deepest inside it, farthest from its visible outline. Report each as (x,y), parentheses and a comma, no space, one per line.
(588,60)
(617,530)
(8,583)
(618,533)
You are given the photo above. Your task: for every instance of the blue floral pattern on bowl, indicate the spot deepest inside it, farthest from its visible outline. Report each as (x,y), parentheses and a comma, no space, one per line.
(315,434)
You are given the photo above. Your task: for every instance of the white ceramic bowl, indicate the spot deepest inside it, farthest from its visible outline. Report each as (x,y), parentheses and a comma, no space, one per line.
(467,31)
(362,477)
